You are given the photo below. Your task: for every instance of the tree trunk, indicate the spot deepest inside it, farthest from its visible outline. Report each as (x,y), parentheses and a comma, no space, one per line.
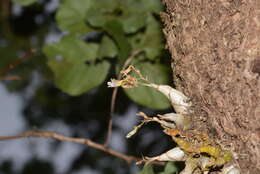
(215,49)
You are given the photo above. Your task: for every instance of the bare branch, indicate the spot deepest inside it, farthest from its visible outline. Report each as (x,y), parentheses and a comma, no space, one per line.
(17,62)
(43,134)
(85,141)
(114,94)
(10,78)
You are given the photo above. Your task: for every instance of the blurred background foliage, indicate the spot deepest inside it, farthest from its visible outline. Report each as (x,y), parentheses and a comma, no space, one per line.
(79,45)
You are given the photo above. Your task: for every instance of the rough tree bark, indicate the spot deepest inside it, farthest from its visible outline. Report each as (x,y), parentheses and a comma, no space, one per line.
(215,48)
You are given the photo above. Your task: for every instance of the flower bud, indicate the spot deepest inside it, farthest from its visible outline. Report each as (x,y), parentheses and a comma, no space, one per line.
(175,154)
(231,170)
(179,101)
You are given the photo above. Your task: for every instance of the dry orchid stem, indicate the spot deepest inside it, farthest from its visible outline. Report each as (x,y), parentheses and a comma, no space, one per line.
(179,101)
(195,148)
(175,154)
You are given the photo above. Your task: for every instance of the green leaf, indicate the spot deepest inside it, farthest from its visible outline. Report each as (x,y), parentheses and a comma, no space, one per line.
(107,48)
(102,11)
(148,97)
(71,15)
(67,60)
(106,6)
(154,6)
(147,169)
(115,29)
(152,41)
(97,19)
(72,49)
(77,78)
(24,2)
(133,21)
(133,16)
(170,168)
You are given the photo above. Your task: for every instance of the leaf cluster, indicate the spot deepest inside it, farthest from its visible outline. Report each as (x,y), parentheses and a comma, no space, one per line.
(99,35)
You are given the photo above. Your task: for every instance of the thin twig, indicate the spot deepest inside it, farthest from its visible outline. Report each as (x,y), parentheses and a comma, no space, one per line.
(85,141)
(10,78)
(16,62)
(60,137)
(114,94)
